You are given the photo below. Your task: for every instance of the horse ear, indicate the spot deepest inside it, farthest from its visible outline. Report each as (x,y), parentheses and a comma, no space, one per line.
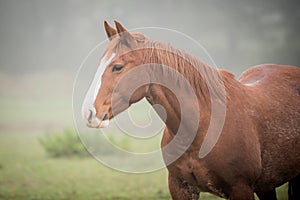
(110,31)
(119,27)
(125,37)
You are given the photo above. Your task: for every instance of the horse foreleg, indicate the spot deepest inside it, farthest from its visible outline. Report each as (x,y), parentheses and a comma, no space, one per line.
(294,188)
(182,191)
(270,195)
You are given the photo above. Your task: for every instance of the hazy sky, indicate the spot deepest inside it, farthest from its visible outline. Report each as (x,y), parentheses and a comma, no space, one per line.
(45,35)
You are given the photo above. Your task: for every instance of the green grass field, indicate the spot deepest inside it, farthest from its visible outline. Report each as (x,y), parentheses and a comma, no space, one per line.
(27,172)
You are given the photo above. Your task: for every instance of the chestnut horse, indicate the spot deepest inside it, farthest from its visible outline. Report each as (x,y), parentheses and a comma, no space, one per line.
(258,148)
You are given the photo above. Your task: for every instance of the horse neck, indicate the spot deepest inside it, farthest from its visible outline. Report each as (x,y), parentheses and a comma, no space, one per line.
(203,79)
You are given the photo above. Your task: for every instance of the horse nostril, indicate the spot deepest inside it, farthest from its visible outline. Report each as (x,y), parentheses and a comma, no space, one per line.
(90,116)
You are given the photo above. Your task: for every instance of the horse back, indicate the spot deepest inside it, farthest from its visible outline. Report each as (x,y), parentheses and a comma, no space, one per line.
(271,74)
(275,93)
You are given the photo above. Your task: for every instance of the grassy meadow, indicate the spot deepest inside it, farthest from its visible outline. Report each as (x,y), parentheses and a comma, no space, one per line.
(35,105)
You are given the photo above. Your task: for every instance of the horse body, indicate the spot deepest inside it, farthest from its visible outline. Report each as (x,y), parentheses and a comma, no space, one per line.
(277,100)
(265,125)
(258,148)
(235,158)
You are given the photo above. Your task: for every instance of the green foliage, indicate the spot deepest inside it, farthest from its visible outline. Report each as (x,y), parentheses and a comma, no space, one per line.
(65,144)
(68,143)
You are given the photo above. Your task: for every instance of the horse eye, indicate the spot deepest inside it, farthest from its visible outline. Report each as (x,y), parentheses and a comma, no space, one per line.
(117,68)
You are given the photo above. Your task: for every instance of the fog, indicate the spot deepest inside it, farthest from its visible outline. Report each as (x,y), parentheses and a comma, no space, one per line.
(46,35)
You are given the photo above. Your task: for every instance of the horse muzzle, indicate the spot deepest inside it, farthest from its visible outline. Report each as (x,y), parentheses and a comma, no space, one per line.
(93,121)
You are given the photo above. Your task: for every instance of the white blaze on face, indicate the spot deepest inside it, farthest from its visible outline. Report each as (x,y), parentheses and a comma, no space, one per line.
(88,103)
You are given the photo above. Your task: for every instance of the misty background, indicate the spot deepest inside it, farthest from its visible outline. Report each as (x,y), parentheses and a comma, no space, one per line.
(47,35)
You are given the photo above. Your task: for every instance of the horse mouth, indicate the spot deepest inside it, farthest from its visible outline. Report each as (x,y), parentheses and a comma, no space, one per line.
(94,121)
(105,116)
(104,121)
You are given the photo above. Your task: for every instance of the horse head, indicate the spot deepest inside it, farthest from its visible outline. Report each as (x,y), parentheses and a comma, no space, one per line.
(109,93)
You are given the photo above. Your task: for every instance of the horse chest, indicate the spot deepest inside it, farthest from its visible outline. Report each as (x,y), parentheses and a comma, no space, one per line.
(194,174)
(185,171)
